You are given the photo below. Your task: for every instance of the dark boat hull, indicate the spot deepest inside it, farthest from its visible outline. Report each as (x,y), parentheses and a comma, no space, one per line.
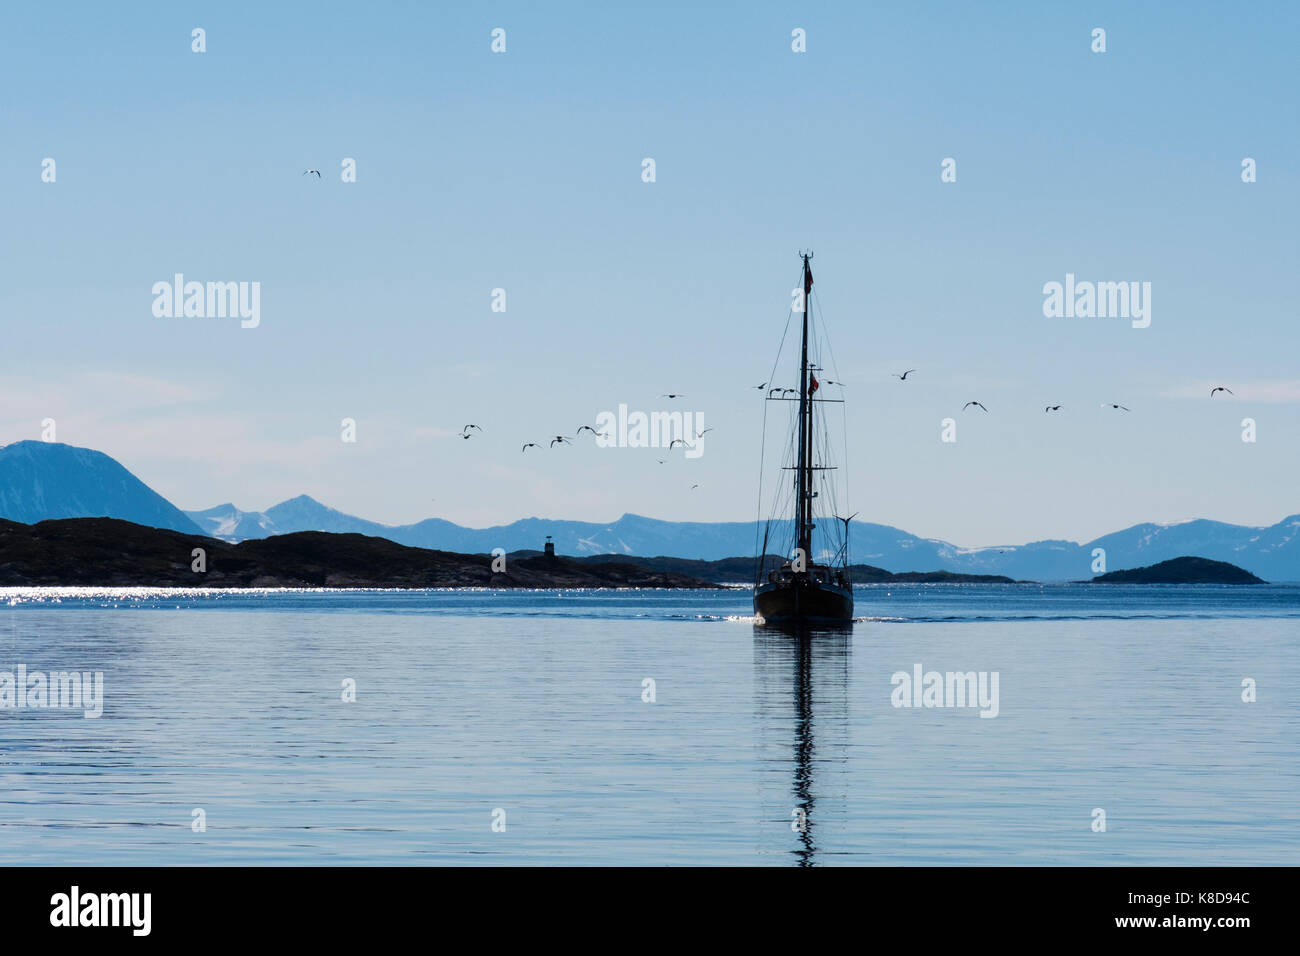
(801,601)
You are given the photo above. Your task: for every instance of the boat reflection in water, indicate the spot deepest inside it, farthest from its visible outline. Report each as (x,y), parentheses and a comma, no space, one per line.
(801,683)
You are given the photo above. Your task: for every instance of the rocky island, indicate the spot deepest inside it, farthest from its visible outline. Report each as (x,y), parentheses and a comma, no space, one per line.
(1189,570)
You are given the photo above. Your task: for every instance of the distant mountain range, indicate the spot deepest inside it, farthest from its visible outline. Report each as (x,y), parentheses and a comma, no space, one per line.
(41,480)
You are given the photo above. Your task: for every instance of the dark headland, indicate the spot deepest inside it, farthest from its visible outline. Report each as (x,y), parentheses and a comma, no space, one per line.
(1181,571)
(107,552)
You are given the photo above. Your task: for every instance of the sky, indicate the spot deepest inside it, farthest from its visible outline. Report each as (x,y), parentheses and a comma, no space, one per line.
(523,171)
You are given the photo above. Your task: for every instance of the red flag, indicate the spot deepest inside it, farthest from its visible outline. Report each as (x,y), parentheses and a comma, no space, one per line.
(815,384)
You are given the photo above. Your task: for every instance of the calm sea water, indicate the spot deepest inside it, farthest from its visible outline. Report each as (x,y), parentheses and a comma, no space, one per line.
(528,709)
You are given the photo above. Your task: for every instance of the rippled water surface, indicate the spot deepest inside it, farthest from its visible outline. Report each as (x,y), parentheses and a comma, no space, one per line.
(1125,699)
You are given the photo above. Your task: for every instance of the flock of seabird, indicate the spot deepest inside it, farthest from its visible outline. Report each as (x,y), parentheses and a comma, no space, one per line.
(469,430)
(979,405)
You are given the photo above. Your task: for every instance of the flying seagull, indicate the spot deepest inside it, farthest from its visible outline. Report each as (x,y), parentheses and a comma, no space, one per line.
(308,172)
(467,435)
(1113,405)
(468,427)
(531,444)
(675,441)
(673,395)
(693,487)
(559,438)
(1052,408)
(705,432)
(969,404)
(759,387)
(903,377)
(582,428)
(1220,389)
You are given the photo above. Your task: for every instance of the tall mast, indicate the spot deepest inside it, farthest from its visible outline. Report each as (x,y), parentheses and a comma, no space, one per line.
(804,480)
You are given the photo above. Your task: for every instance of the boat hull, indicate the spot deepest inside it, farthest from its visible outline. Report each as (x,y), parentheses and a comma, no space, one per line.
(802,601)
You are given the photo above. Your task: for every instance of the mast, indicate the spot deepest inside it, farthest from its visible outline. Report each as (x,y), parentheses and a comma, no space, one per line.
(804,478)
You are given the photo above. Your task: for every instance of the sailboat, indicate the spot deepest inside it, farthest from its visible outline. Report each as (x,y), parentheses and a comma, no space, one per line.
(797,588)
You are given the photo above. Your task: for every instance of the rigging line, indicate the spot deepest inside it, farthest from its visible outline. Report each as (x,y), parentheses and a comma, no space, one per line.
(781,494)
(763,444)
(784,334)
(844,424)
(760,559)
(780,348)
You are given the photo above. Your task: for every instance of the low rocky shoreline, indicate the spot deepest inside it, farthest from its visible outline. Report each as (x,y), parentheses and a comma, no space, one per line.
(106,552)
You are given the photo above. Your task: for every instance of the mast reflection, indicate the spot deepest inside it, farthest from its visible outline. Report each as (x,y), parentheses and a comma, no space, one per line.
(801,678)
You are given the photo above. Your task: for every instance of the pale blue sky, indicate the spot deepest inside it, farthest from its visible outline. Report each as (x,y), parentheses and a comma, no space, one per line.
(522,171)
